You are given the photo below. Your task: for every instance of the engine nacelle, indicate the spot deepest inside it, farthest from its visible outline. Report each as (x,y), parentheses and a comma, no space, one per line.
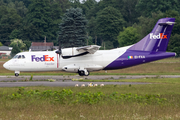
(70,51)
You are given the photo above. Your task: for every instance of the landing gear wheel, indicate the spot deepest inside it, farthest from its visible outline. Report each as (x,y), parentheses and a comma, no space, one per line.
(16,74)
(86,73)
(81,73)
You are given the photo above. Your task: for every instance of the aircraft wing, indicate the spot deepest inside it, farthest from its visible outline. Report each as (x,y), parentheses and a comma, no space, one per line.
(90,49)
(79,51)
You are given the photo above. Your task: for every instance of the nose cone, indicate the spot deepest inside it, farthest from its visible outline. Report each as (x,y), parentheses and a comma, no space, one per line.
(5,65)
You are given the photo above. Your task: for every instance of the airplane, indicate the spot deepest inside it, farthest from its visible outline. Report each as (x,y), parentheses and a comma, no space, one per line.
(83,60)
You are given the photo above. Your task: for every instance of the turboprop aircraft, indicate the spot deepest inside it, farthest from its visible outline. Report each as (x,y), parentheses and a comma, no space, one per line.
(83,60)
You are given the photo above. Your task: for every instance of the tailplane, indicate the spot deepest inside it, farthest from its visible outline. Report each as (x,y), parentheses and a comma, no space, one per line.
(158,39)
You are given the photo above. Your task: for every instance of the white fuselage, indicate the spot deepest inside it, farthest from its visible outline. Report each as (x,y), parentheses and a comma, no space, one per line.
(50,61)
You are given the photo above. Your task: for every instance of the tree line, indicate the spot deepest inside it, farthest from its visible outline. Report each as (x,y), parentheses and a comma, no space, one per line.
(109,23)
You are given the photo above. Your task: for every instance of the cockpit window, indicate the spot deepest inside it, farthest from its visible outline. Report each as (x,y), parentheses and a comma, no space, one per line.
(15,56)
(19,57)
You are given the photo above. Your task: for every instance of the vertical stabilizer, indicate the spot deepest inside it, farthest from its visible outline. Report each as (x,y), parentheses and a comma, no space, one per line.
(158,39)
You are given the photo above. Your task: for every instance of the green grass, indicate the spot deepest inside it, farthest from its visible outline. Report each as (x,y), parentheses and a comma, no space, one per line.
(34,105)
(169,60)
(144,80)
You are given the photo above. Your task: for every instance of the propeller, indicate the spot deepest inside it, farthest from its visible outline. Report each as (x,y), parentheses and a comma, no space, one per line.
(59,51)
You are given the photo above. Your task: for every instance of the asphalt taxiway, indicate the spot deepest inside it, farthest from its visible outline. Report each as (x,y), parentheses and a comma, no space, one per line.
(12,81)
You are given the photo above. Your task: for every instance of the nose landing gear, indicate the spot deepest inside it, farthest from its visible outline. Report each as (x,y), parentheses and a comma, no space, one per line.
(17,73)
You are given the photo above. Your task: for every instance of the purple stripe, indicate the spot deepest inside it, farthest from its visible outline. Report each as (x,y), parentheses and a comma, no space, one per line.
(139,57)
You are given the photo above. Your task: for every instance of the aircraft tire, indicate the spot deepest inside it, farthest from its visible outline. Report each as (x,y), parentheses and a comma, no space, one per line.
(81,73)
(16,74)
(86,74)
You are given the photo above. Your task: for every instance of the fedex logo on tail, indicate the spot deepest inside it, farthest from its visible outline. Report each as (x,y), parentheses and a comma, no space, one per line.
(41,59)
(160,36)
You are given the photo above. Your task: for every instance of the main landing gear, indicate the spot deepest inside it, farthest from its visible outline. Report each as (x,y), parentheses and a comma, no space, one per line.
(83,72)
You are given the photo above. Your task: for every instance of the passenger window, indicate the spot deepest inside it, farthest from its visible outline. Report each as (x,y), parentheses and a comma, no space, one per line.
(23,56)
(19,57)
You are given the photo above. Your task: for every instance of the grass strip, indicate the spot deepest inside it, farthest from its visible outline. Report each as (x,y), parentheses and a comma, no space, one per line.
(144,80)
(55,102)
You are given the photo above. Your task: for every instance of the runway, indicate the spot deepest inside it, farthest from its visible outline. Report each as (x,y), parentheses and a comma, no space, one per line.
(12,81)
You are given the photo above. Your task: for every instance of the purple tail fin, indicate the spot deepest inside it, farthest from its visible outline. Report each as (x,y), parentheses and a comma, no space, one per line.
(158,39)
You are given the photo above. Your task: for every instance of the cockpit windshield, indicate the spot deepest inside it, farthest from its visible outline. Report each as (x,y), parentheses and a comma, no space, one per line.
(15,56)
(19,57)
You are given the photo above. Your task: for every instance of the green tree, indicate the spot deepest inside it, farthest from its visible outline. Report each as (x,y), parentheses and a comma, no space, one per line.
(109,23)
(92,28)
(87,5)
(146,7)
(73,28)
(6,1)
(127,9)
(25,2)
(28,44)
(129,36)
(63,4)
(76,4)
(56,13)
(38,22)
(17,45)
(2,2)
(9,21)
(20,8)
(15,50)
(1,44)
(90,40)
(92,12)
(174,44)
(15,34)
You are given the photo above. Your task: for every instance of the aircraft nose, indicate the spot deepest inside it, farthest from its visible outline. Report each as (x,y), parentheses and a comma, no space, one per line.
(5,65)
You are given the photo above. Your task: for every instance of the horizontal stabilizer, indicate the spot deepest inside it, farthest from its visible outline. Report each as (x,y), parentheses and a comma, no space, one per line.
(167,23)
